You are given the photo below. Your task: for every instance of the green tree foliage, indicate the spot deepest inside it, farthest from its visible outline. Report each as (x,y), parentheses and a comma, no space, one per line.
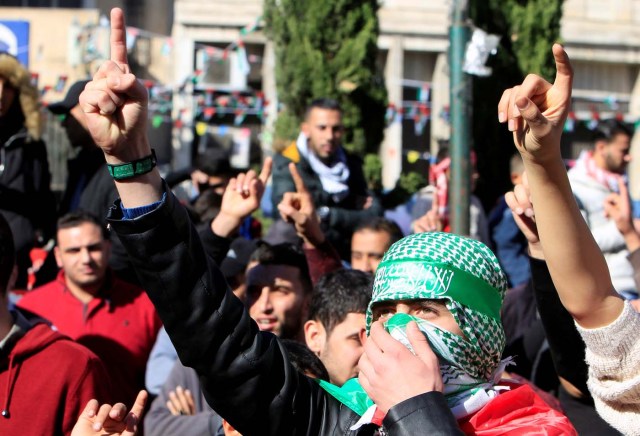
(534,27)
(328,48)
(528,29)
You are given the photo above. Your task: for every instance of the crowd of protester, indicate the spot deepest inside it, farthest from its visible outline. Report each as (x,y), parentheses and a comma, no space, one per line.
(167,295)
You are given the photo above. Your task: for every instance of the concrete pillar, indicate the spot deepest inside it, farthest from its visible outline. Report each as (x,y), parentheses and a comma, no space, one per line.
(440,98)
(391,149)
(270,94)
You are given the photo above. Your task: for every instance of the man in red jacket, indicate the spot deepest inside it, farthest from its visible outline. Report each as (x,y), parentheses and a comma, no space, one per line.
(45,378)
(87,302)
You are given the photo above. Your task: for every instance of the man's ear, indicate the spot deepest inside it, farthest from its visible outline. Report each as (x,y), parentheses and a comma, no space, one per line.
(600,145)
(363,336)
(314,335)
(58,255)
(305,128)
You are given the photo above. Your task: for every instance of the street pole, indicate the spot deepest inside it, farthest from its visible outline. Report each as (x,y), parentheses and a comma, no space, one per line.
(460,112)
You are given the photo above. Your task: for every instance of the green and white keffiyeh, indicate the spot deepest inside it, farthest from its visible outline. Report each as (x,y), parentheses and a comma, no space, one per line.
(467,276)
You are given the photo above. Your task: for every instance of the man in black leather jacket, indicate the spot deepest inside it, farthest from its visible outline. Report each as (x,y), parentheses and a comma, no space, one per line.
(245,373)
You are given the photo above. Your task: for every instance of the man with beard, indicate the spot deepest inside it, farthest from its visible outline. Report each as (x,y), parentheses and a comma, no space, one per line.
(333,176)
(91,305)
(278,290)
(595,176)
(335,331)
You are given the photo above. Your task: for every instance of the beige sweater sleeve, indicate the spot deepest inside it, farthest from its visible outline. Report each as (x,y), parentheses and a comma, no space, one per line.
(613,356)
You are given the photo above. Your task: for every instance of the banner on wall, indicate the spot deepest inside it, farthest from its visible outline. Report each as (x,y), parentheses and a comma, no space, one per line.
(14,39)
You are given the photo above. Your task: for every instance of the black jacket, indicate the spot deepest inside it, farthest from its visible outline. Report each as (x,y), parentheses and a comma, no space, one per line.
(26,199)
(344,215)
(245,374)
(568,353)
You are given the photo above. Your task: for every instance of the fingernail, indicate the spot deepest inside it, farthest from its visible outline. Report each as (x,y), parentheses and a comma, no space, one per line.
(528,212)
(502,117)
(512,125)
(97,426)
(519,211)
(524,106)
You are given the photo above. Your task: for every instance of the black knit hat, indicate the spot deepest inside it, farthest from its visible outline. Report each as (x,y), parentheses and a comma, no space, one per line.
(70,100)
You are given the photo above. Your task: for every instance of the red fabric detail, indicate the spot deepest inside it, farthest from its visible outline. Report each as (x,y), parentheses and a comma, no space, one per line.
(321,260)
(517,412)
(378,417)
(607,179)
(51,381)
(120,327)
(37,256)
(438,178)
(551,400)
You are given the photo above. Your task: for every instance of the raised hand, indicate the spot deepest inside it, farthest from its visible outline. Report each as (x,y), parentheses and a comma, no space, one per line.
(298,208)
(391,374)
(617,206)
(519,201)
(115,103)
(536,110)
(240,199)
(181,402)
(429,222)
(105,420)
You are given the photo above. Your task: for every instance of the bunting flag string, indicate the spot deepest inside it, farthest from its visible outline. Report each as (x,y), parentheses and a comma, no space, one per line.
(212,103)
(222,54)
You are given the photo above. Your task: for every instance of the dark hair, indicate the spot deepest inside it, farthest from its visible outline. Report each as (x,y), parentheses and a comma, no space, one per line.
(380,224)
(304,361)
(214,162)
(607,130)
(7,255)
(338,294)
(78,217)
(322,103)
(284,254)
(207,205)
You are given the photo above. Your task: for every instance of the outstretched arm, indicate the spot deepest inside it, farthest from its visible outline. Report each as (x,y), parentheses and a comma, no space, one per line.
(115,106)
(245,373)
(566,345)
(536,112)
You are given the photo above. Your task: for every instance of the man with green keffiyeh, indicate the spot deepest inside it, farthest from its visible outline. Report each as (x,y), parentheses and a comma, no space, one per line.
(451,288)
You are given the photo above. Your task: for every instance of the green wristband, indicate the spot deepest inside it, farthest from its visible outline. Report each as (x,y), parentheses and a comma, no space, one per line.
(133,169)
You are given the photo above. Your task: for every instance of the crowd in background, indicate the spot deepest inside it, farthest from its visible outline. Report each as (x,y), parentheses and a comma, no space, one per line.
(97,313)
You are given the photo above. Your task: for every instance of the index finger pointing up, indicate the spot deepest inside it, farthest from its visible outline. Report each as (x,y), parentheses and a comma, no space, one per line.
(564,71)
(297,180)
(265,173)
(119,39)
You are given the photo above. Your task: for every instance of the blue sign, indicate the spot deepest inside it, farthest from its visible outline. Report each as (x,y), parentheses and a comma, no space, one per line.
(14,39)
